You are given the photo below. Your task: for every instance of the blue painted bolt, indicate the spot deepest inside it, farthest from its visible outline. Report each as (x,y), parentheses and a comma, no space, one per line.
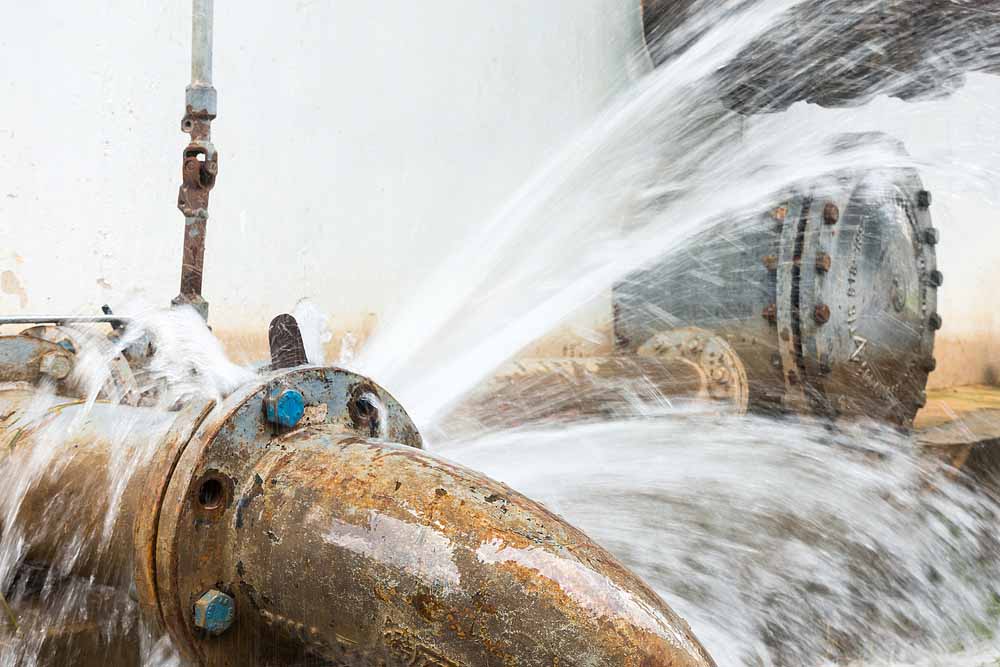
(284,407)
(214,612)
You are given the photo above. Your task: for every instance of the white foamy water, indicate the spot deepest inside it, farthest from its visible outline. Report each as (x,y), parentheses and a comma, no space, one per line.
(782,543)
(64,493)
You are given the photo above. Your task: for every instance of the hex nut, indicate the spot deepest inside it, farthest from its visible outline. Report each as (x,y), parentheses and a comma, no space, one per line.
(55,365)
(284,407)
(821,313)
(931,236)
(831,214)
(935,278)
(823,262)
(924,199)
(770,262)
(935,321)
(214,612)
(770,313)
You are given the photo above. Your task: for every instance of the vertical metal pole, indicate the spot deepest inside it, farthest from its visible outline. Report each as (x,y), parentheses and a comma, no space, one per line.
(201,43)
(200,160)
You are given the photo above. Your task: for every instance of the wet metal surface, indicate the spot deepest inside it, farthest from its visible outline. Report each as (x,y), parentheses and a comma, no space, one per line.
(285,341)
(849,308)
(841,53)
(425,560)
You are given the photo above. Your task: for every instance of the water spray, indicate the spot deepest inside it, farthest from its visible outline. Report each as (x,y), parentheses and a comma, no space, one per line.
(294,518)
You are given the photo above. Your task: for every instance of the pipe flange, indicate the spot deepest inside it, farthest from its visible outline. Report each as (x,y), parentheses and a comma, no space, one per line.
(211,482)
(723,375)
(871,353)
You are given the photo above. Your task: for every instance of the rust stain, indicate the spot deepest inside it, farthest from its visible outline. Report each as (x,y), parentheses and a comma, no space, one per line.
(10,284)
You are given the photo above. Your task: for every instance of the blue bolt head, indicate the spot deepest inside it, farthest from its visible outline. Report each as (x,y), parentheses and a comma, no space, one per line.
(284,407)
(214,612)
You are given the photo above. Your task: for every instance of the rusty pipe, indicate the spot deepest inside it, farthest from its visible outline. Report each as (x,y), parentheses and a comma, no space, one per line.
(365,552)
(78,474)
(336,537)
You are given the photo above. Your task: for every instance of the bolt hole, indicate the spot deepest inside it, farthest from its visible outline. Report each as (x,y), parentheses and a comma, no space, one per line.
(211,494)
(366,409)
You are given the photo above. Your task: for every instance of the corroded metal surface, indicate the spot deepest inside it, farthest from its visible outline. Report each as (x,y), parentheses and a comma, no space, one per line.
(328,541)
(73,458)
(120,386)
(285,341)
(723,379)
(31,359)
(667,372)
(200,161)
(81,640)
(871,351)
(830,299)
(364,552)
(154,480)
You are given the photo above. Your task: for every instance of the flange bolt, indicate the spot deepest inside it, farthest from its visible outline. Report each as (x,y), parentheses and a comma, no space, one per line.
(284,407)
(823,262)
(831,214)
(821,313)
(214,612)
(56,366)
(924,199)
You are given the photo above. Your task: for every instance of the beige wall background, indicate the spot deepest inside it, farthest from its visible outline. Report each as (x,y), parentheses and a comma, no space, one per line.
(358,141)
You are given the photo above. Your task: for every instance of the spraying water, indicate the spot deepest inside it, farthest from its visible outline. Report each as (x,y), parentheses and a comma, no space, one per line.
(661,164)
(783,543)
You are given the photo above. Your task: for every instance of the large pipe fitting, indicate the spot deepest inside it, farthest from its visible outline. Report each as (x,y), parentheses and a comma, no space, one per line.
(338,542)
(254,532)
(844,299)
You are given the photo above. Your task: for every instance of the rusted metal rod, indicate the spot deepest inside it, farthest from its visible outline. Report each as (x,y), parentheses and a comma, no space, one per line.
(64,319)
(200,160)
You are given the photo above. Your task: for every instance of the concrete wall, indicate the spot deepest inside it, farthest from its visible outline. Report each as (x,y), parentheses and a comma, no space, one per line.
(357,141)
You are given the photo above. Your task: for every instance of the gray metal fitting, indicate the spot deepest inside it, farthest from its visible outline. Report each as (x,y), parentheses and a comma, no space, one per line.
(201,100)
